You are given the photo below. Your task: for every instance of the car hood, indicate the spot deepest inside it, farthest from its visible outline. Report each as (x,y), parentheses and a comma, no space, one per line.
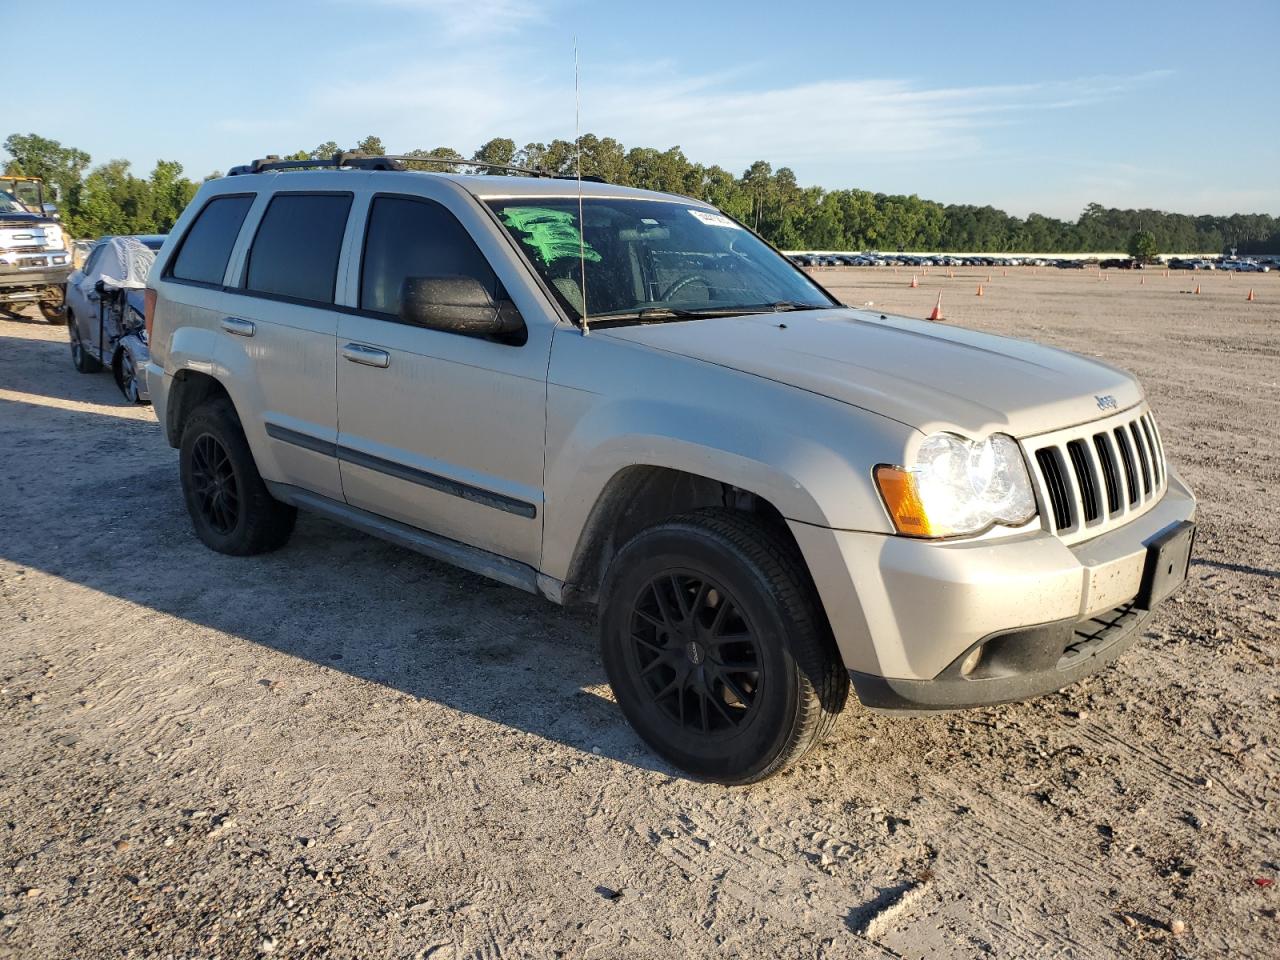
(925,375)
(24,220)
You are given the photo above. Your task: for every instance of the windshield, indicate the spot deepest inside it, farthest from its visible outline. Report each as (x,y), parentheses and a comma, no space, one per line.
(9,205)
(651,259)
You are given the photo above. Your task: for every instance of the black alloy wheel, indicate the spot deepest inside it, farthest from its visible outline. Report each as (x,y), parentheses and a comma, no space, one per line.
(696,653)
(717,647)
(213,482)
(231,509)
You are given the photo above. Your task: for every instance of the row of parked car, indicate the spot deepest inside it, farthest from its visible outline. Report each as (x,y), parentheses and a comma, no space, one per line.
(872,259)
(926,260)
(1233,264)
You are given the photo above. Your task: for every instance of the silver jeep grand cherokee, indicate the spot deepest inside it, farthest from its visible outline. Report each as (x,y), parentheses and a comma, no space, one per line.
(627,398)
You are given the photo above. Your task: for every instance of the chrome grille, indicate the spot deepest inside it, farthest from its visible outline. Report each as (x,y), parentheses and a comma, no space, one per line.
(1099,475)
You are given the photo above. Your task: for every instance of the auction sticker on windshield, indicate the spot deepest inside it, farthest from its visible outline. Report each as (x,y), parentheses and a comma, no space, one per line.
(714,219)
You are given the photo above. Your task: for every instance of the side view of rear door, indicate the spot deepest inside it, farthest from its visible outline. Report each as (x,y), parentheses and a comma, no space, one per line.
(277,337)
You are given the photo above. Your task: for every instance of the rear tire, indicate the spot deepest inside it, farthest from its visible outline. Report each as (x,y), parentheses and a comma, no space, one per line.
(717,648)
(80,357)
(230,507)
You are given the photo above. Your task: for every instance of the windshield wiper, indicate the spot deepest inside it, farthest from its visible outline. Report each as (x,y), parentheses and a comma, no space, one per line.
(785,306)
(659,314)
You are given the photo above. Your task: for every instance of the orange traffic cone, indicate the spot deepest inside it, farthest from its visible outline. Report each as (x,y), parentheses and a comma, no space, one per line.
(1250,297)
(1142,281)
(988,278)
(1004,273)
(951,274)
(1197,289)
(1166,273)
(937,309)
(914,283)
(979,289)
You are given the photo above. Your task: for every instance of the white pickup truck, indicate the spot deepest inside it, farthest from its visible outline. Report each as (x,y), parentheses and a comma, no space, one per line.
(34,259)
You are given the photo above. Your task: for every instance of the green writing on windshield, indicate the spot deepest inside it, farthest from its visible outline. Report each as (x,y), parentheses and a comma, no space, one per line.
(550,232)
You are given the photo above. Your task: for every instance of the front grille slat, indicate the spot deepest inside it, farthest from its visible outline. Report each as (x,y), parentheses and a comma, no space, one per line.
(1051,469)
(1093,479)
(1083,468)
(1126,459)
(1110,476)
(1143,460)
(1157,474)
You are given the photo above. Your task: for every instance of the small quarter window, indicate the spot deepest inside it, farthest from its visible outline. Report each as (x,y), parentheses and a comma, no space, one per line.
(416,238)
(205,250)
(295,254)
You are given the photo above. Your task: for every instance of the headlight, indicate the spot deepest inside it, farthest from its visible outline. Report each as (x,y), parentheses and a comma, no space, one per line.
(958,487)
(53,238)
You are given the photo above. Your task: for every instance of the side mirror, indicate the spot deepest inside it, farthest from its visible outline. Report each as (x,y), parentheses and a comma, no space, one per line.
(459,305)
(51,211)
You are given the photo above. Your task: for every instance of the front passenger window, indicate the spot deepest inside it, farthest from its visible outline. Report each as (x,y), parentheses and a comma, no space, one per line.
(409,237)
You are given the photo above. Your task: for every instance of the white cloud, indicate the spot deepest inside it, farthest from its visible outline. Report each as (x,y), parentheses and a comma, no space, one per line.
(467,96)
(468,18)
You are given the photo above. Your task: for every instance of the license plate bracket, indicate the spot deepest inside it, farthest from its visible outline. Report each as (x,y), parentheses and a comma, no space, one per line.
(1168,559)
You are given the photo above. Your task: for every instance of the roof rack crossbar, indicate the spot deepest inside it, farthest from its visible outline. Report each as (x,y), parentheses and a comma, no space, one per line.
(360,161)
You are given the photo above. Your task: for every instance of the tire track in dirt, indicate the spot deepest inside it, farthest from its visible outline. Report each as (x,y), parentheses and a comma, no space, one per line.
(788,893)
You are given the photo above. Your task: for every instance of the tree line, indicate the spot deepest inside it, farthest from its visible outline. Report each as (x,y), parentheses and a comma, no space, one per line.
(109,198)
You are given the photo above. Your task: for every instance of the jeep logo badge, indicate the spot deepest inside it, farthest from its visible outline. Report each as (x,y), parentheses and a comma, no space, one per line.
(1106,402)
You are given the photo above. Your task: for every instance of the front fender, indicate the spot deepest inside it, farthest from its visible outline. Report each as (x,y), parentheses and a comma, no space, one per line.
(808,456)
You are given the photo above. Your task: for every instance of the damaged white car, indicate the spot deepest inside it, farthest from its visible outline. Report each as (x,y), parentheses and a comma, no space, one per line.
(105,311)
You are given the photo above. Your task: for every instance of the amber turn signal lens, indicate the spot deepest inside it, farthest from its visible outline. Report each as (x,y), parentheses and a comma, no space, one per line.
(149,310)
(898,488)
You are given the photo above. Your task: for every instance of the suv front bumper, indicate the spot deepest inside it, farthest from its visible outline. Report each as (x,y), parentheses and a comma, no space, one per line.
(907,614)
(18,278)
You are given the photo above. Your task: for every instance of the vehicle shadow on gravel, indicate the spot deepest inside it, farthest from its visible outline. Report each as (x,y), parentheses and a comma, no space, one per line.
(98,388)
(336,598)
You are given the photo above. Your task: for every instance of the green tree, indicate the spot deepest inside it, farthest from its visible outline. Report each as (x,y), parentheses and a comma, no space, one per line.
(109,199)
(60,167)
(498,150)
(170,194)
(1142,246)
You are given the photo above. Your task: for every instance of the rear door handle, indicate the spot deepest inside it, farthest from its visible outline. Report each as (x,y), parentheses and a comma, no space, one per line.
(241,328)
(369,356)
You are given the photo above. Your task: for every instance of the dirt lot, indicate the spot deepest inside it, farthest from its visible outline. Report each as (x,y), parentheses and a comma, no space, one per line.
(345,750)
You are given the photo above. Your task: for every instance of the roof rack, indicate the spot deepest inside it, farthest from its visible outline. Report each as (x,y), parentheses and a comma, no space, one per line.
(360,161)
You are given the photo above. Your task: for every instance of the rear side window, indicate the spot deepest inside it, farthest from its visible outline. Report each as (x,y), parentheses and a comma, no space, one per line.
(205,250)
(295,254)
(416,238)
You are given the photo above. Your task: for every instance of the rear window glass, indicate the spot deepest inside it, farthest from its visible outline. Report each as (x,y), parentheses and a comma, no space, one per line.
(295,253)
(416,238)
(207,247)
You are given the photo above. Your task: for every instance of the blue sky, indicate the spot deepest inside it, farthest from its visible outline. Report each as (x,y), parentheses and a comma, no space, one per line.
(1026,106)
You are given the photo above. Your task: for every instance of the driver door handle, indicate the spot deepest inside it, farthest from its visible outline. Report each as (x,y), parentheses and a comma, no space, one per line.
(241,328)
(368,356)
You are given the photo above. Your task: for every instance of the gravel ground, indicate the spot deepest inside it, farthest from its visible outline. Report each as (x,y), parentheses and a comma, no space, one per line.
(346,750)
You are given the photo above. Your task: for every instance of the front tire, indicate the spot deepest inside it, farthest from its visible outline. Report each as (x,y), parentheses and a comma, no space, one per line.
(231,509)
(126,371)
(717,649)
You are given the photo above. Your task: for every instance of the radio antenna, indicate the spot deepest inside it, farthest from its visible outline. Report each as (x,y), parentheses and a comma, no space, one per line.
(582,226)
